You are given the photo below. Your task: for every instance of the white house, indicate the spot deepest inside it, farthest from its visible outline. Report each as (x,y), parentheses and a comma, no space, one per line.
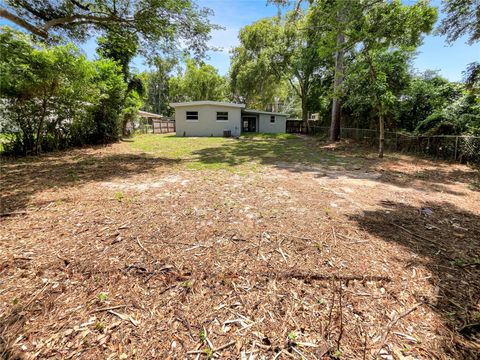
(212,118)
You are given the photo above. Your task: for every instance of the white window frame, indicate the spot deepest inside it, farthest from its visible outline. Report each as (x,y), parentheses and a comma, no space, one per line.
(274,118)
(190,120)
(223,112)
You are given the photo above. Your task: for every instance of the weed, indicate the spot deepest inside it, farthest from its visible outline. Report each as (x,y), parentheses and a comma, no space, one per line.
(202,335)
(119,196)
(337,354)
(457,262)
(102,296)
(15,301)
(292,335)
(208,353)
(476,315)
(187,284)
(72,174)
(100,326)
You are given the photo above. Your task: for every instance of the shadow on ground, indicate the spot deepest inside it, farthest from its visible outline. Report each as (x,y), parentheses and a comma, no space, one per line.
(312,155)
(446,241)
(271,151)
(23,178)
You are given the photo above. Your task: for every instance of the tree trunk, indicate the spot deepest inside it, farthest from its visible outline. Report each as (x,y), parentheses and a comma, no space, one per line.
(381,135)
(38,144)
(337,83)
(305,112)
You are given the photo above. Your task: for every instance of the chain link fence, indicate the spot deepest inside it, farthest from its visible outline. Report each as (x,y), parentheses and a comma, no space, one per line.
(462,148)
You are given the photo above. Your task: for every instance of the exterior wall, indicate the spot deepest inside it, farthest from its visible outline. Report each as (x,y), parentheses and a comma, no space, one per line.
(265,126)
(207,124)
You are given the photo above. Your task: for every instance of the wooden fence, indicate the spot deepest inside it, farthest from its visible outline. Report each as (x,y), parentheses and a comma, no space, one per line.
(163,126)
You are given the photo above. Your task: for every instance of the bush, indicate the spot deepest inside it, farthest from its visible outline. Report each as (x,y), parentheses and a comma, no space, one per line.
(53,98)
(431,123)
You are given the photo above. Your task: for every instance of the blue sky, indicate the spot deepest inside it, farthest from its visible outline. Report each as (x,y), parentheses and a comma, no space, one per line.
(434,54)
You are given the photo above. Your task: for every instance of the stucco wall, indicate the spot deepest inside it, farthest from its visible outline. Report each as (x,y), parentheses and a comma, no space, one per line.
(207,124)
(279,126)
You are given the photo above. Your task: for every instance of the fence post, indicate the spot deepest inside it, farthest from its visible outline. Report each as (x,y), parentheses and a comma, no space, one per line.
(456,148)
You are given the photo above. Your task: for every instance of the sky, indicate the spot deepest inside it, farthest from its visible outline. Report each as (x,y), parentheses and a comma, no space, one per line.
(434,54)
(232,15)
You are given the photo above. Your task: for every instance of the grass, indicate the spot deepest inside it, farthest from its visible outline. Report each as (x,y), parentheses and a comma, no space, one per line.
(249,153)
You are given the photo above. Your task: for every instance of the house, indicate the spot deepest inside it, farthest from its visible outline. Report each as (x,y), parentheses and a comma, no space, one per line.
(212,118)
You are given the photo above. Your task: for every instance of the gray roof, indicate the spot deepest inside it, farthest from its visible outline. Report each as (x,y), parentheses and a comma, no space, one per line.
(251,111)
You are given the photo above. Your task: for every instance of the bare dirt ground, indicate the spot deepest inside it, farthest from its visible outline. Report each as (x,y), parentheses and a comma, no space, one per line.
(111,253)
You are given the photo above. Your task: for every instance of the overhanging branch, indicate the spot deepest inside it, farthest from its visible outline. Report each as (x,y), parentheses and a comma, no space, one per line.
(4,13)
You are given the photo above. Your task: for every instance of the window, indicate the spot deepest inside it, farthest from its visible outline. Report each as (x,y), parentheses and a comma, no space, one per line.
(222,115)
(272,118)
(192,115)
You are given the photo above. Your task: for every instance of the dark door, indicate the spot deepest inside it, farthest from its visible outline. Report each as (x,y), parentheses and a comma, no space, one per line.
(249,124)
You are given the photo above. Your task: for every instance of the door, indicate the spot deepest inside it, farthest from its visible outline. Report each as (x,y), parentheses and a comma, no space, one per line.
(249,124)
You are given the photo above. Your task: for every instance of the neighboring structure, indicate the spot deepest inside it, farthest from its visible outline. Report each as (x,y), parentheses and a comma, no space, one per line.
(212,118)
(147,122)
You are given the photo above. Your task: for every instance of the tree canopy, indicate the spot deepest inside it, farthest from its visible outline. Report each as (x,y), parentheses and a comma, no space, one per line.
(159,24)
(462,18)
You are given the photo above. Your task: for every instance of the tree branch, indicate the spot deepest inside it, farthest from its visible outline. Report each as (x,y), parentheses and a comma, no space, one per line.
(4,13)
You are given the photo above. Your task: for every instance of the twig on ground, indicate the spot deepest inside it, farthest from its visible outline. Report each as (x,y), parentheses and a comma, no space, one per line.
(392,324)
(334,236)
(418,236)
(108,308)
(143,248)
(327,328)
(340,334)
(313,276)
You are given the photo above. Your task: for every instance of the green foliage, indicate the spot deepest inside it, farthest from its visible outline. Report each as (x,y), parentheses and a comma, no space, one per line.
(119,45)
(425,94)
(45,92)
(107,120)
(158,24)
(392,77)
(102,296)
(463,17)
(157,89)
(276,50)
(54,97)
(199,82)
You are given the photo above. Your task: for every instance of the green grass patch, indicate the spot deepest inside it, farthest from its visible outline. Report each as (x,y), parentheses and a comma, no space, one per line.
(248,153)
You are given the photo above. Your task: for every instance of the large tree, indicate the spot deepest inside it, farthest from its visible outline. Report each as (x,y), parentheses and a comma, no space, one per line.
(390,25)
(199,82)
(276,49)
(159,23)
(158,91)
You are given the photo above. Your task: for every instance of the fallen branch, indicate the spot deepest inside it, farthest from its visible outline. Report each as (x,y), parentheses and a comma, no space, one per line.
(13,213)
(108,308)
(392,324)
(323,277)
(416,235)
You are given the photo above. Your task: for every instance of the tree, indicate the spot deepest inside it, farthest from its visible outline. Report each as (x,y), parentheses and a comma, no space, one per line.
(462,18)
(158,92)
(252,80)
(107,112)
(385,26)
(160,24)
(119,45)
(425,94)
(199,82)
(275,49)
(44,91)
